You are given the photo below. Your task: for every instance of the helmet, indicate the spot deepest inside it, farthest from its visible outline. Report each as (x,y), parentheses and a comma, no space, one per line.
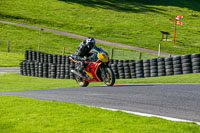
(90,42)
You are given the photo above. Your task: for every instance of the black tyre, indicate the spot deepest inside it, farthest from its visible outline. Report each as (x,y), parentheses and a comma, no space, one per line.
(139,75)
(195,55)
(139,65)
(176,62)
(177,69)
(154,74)
(196,71)
(161,59)
(169,66)
(153,63)
(168,59)
(161,67)
(161,63)
(169,70)
(186,72)
(169,63)
(196,67)
(195,59)
(80,81)
(176,58)
(186,65)
(161,71)
(154,70)
(146,61)
(147,75)
(177,66)
(186,61)
(153,60)
(110,77)
(146,64)
(161,74)
(188,56)
(169,73)
(187,68)
(196,64)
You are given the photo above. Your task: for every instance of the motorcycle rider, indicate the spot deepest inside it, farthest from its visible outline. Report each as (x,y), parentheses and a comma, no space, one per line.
(83,53)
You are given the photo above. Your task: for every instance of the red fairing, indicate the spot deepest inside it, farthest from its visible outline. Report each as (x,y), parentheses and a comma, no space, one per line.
(91,68)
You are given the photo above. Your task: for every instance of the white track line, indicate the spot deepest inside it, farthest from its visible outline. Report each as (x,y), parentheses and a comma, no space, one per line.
(149,115)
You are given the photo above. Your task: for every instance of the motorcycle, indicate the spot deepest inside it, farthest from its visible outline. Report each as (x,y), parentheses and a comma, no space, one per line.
(96,70)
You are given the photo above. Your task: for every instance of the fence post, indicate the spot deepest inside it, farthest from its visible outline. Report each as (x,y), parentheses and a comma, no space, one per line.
(63,52)
(159,48)
(8,46)
(39,39)
(140,55)
(111,54)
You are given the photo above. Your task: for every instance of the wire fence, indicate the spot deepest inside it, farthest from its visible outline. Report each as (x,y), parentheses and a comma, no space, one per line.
(16,47)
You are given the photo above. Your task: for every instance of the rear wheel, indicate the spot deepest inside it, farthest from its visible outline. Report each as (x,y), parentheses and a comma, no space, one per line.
(110,77)
(81,82)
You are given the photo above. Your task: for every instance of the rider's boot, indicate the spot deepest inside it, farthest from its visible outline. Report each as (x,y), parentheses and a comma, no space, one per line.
(81,70)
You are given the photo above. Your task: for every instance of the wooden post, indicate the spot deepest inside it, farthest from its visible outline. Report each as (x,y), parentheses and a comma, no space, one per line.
(111,54)
(8,46)
(159,48)
(175,30)
(63,52)
(140,55)
(39,39)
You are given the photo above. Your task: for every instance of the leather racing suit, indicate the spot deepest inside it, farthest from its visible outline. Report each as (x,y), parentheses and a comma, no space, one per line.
(84,50)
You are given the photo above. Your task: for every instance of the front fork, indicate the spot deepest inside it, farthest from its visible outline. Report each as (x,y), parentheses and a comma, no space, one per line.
(103,73)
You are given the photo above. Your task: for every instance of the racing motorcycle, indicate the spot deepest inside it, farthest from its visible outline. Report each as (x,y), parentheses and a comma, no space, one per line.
(97,70)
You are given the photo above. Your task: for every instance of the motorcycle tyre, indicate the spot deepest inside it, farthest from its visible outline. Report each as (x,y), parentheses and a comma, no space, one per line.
(110,72)
(82,83)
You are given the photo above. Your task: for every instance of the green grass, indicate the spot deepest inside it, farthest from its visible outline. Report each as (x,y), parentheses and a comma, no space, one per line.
(16,82)
(135,23)
(21,39)
(10,59)
(27,115)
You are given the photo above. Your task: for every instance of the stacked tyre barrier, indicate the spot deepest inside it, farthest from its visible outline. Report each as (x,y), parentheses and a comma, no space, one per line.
(195,59)
(45,65)
(39,64)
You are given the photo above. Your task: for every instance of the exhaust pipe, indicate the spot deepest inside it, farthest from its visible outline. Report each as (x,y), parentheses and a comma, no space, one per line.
(75,72)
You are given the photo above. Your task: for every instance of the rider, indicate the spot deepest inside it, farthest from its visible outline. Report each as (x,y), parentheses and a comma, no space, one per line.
(83,53)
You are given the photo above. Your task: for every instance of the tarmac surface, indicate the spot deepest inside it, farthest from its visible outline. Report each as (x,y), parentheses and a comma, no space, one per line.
(181,101)
(9,69)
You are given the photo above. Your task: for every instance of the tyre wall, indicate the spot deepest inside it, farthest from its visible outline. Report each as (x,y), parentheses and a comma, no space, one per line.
(45,65)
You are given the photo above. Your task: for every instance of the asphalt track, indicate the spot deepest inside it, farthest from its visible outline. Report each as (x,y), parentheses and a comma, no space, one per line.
(181,101)
(9,69)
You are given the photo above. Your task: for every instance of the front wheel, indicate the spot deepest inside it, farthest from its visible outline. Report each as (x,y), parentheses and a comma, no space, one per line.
(110,77)
(81,82)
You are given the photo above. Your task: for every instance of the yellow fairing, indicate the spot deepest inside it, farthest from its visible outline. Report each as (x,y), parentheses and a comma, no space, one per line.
(103,57)
(91,77)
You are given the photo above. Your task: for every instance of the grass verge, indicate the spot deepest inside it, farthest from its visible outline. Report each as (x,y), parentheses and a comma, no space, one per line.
(22,115)
(16,82)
